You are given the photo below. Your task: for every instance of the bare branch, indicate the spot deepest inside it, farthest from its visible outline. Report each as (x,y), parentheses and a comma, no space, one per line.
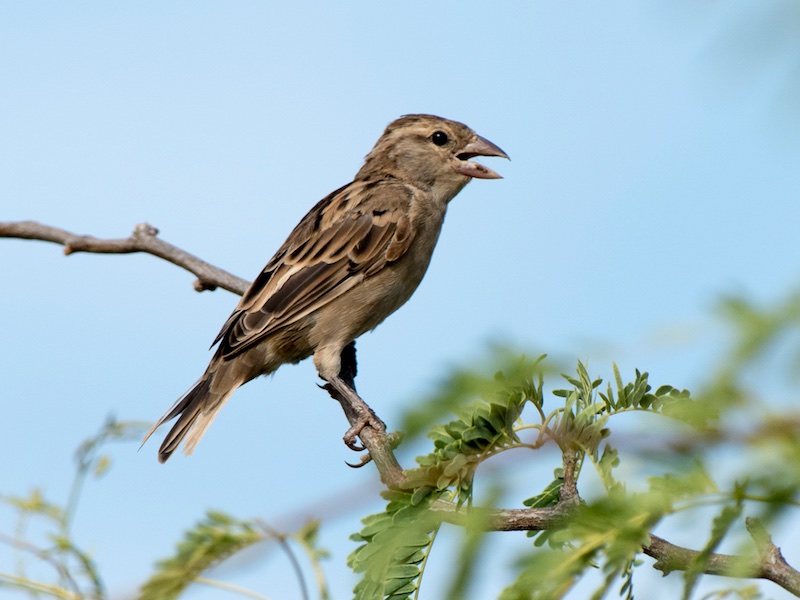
(506,519)
(769,564)
(670,557)
(143,239)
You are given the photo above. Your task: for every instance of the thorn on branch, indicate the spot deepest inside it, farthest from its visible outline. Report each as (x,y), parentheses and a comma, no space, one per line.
(145,229)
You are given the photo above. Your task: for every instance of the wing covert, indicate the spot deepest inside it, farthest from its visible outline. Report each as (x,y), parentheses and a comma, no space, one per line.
(348,236)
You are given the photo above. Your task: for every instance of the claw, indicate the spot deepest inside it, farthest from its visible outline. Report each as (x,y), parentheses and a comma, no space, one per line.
(365,459)
(350,438)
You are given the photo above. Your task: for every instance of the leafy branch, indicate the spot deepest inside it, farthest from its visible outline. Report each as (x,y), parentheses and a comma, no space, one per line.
(77,575)
(217,538)
(210,542)
(610,531)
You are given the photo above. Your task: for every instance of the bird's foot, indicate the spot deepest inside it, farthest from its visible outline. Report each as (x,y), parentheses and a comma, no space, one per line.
(364,460)
(365,419)
(358,412)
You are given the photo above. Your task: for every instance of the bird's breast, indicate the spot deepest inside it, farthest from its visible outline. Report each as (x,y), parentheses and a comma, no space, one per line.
(368,303)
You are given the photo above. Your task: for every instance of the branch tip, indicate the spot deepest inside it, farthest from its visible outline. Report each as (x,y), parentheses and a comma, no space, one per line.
(203,286)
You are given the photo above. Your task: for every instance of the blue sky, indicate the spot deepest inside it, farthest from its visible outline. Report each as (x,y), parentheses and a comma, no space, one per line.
(654,168)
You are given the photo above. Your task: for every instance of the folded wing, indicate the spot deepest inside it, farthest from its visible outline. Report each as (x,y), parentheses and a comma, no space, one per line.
(348,236)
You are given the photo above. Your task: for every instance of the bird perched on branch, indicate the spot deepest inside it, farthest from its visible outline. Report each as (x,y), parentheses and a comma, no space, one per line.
(354,259)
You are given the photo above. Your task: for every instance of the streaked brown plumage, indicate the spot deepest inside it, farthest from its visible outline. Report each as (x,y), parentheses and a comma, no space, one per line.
(354,259)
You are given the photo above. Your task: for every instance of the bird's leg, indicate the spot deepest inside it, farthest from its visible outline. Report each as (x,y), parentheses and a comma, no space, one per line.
(343,388)
(362,414)
(348,367)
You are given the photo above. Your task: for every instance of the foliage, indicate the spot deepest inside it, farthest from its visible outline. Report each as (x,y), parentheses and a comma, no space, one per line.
(608,532)
(614,526)
(715,458)
(76,574)
(395,546)
(213,539)
(216,538)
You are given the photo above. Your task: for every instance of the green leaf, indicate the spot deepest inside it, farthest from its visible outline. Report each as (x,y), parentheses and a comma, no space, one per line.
(549,496)
(212,540)
(102,466)
(721,525)
(397,542)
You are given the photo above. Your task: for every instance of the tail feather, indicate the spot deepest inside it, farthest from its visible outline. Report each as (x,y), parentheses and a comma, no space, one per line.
(197,409)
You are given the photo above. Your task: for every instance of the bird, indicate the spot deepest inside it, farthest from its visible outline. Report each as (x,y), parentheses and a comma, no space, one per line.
(351,261)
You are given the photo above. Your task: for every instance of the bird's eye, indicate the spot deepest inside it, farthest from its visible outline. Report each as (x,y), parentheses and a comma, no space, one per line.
(439,138)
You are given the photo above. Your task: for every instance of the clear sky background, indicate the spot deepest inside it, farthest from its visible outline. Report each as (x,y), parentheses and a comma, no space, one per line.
(655,167)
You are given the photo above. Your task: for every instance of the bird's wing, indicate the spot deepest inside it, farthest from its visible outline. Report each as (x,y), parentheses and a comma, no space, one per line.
(348,236)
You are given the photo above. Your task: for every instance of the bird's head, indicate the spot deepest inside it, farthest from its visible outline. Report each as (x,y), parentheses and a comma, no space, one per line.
(430,152)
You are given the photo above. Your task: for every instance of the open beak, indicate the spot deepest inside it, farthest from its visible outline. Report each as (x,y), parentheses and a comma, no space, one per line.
(478,147)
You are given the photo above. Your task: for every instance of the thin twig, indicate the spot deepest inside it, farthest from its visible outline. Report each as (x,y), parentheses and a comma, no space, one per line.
(287,549)
(45,556)
(230,587)
(36,587)
(143,239)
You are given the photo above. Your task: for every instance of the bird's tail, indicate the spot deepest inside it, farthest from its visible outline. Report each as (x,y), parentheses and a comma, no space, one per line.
(197,409)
